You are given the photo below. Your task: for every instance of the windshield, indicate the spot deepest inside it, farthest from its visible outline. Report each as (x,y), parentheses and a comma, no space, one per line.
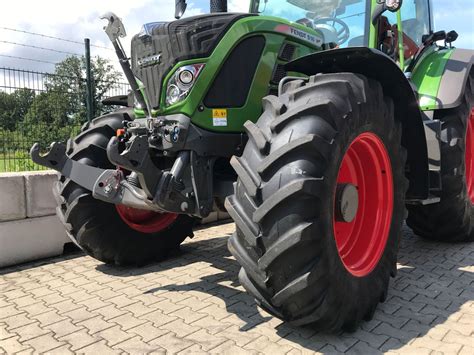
(342,22)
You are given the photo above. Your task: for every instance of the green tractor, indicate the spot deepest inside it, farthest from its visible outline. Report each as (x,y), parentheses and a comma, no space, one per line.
(319,125)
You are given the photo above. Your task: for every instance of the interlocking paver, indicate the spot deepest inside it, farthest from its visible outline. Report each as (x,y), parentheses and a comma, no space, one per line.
(12,345)
(158,318)
(44,343)
(148,331)
(230,347)
(79,339)
(35,309)
(95,324)
(109,312)
(8,311)
(62,328)
(114,335)
(48,318)
(206,340)
(171,343)
(17,320)
(137,346)
(180,328)
(99,347)
(188,315)
(30,331)
(127,321)
(193,304)
(27,300)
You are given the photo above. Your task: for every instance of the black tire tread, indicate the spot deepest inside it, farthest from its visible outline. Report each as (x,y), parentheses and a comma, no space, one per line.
(276,268)
(95,226)
(451,220)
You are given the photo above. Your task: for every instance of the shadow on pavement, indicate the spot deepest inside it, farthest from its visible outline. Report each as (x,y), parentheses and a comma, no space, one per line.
(432,284)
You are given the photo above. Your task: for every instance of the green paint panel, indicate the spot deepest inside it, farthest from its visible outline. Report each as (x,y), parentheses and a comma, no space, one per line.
(427,76)
(274,31)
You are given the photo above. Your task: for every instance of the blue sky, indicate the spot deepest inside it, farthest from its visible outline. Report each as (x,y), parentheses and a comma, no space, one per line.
(456,15)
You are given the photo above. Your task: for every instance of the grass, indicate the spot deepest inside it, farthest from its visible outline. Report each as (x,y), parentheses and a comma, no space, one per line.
(17,162)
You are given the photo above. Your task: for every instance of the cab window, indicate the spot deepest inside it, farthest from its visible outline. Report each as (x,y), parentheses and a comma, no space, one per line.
(343,23)
(415,23)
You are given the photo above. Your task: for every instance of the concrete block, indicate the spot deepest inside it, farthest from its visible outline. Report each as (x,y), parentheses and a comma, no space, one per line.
(12,197)
(39,196)
(31,239)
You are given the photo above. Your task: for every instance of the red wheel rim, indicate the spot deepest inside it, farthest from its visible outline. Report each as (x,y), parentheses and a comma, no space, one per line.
(145,221)
(470,156)
(367,166)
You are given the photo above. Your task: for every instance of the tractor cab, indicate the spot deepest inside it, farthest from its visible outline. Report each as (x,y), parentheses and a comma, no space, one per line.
(395,27)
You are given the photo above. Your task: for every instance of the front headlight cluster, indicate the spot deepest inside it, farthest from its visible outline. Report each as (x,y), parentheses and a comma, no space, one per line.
(181,83)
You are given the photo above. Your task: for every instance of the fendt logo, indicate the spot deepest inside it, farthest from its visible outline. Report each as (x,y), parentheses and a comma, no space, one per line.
(154,59)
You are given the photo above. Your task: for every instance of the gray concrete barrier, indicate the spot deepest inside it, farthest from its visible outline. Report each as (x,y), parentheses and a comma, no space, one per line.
(29,228)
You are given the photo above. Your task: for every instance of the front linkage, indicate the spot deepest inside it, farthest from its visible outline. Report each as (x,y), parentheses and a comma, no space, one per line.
(186,188)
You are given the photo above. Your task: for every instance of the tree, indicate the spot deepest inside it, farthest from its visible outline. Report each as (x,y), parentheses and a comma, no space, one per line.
(14,106)
(69,77)
(24,98)
(7,111)
(51,108)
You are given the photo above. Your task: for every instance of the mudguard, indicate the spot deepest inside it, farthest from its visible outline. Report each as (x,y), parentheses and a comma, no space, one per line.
(376,65)
(441,77)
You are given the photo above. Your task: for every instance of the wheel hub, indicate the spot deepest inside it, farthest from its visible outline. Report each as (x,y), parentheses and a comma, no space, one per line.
(347,203)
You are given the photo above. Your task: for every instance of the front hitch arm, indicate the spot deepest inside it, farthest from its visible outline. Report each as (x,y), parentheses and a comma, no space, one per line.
(106,185)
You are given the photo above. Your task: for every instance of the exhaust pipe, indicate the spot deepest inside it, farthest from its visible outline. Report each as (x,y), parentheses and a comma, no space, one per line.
(218,6)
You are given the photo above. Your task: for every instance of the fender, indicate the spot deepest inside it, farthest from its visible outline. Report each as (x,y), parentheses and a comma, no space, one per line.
(376,65)
(441,77)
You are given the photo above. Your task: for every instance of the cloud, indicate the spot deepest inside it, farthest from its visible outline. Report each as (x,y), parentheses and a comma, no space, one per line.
(60,19)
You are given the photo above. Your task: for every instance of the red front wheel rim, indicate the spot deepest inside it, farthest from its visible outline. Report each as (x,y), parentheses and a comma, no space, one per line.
(145,221)
(367,166)
(470,156)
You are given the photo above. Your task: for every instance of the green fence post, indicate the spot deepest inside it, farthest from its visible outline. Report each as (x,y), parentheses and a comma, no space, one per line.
(89,84)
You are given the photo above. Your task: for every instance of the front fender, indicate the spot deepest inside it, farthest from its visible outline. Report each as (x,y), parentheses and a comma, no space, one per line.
(374,64)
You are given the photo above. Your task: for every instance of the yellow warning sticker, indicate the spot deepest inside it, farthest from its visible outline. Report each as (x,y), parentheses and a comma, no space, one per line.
(219,117)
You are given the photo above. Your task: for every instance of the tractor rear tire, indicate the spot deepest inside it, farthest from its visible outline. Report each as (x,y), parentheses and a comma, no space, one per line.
(299,261)
(105,231)
(452,220)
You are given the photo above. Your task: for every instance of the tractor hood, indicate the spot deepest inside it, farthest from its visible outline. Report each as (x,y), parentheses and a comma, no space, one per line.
(161,45)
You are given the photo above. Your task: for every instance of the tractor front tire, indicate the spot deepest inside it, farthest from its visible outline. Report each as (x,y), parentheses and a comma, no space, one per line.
(306,257)
(452,220)
(113,234)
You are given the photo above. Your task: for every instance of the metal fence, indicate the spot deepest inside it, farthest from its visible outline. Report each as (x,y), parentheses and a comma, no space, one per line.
(43,107)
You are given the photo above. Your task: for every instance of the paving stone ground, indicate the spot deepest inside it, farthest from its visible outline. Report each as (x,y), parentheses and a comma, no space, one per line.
(193,303)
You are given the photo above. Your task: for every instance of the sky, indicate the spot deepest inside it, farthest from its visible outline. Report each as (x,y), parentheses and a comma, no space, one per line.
(79,19)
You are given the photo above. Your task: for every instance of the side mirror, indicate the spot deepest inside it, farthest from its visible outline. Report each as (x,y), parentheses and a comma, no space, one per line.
(180,8)
(451,36)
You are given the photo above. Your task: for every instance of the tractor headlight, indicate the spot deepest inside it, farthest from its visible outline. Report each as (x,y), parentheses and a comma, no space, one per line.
(181,83)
